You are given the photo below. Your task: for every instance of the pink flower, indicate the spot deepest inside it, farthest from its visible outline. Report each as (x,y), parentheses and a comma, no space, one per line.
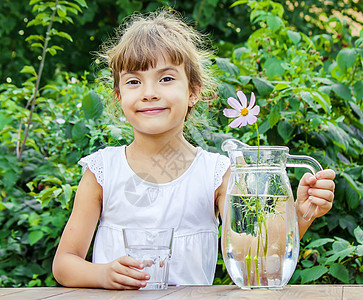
(240,111)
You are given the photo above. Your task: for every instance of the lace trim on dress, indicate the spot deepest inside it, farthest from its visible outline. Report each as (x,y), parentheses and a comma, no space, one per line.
(221,168)
(95,164)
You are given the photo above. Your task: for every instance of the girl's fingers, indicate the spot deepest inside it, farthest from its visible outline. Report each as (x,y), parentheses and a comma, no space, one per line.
(325,184)
(128,282)
(322,205)
(131,262)
(324,194)
(325,174)
(124,273)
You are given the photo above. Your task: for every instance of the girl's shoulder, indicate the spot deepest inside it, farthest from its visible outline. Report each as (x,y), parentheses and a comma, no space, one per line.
(217,157)
(95,162)
(217,163)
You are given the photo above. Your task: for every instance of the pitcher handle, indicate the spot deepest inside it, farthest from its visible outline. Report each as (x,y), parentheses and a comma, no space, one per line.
(303,161)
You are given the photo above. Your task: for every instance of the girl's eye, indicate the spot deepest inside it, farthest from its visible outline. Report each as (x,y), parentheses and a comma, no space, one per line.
(133,81)
(166,79)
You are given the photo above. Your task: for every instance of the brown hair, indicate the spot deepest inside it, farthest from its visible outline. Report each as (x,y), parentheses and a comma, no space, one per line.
(141,38)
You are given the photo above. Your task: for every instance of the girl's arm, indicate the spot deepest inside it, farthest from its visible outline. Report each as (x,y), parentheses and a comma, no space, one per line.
(70,267)
(220,193)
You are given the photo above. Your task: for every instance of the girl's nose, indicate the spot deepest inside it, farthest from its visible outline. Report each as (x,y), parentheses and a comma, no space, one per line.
(150,92)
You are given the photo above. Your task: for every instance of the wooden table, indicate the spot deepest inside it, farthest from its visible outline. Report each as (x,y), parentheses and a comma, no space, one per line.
(292,292)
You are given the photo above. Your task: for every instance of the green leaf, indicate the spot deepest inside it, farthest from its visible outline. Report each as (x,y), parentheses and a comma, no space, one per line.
(52,51)
(312,274)
(358,89)
(319,242)
(358,233)
(351,182)
(340,272)
(340,255)
(79,131)
(346,58)
(29,69)
(294,36)
(274,23)
(274,115)
(34,1)
(263,86)
(36,45)
(273,67)
(35,236)
(4,120)
(61,11)
(323,100)
(197,136)
(307,97)
(226,90)
(239,2)
(92,105)
(64,35)
(340,245)
(81,3)
(244,79)
(226,66)
(342,91)
(265,126)
(338,136)
(281,86)
(66,196)
(285,130)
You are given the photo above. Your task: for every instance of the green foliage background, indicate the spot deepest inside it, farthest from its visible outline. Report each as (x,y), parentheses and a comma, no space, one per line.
(302,62)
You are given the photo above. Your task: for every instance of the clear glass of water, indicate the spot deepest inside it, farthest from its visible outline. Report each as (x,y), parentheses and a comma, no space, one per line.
(152,247)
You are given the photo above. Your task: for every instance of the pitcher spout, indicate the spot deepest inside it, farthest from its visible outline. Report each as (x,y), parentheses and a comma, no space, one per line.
(234,148)
(233,145)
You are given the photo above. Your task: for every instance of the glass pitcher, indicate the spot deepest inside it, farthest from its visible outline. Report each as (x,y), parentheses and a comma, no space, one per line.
(260,238)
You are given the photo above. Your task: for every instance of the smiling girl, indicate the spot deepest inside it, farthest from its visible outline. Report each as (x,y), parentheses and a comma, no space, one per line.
(160,179)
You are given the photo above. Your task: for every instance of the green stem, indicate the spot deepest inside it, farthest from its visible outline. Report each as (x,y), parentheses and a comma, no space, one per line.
(20,148)
(248,261)
(258,144)
(240,188)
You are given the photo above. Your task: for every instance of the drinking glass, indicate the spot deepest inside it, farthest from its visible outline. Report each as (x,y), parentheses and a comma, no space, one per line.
(152,247)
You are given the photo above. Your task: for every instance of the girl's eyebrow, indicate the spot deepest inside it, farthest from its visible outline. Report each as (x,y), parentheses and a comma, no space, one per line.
(170,68)
(129,73)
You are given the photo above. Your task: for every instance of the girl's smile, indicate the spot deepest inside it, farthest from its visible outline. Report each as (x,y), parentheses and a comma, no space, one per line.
(152,110)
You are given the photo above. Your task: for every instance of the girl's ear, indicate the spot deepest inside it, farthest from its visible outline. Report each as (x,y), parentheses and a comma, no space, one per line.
(194,96)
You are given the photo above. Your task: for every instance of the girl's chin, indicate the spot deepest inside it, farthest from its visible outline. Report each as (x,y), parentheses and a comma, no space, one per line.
(156,129)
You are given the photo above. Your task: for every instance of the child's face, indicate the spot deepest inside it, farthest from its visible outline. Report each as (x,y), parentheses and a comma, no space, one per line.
(156,101)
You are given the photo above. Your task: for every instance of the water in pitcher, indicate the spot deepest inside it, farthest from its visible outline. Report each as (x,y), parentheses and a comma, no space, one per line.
(156,262)
(255,254)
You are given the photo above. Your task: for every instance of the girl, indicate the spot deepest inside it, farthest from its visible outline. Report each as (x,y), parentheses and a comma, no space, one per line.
(159,180)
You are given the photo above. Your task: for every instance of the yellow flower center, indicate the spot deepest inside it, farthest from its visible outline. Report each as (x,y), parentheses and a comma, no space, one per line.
(244,111)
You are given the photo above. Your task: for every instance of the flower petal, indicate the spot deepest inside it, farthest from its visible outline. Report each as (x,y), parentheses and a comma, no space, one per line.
(236,122)
(252,101)
(254,111)
(234,103)
(231,113)
(244,122)
(251,119)
(242,97)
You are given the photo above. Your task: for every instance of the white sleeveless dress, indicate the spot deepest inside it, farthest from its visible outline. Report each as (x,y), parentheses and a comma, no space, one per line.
(186,204)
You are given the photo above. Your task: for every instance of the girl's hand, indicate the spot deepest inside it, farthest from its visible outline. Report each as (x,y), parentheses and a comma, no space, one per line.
(319,190)
(122,274)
